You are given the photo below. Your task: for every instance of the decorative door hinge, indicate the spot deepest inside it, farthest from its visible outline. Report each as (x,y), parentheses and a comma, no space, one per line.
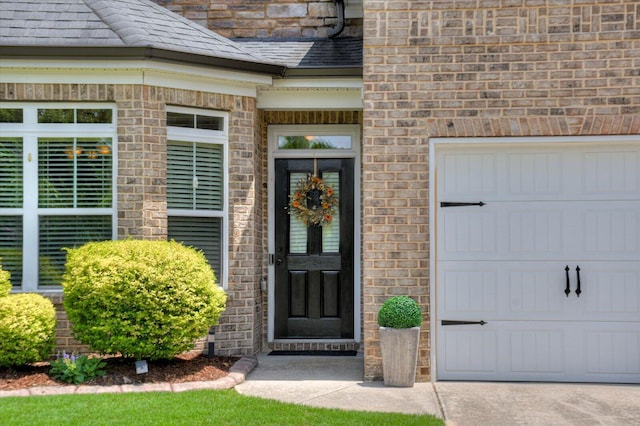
(453,322)
(460,204)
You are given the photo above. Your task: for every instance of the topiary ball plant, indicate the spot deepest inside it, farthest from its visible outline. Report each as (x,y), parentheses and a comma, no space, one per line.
(27,329)
(400,312)
(141,299)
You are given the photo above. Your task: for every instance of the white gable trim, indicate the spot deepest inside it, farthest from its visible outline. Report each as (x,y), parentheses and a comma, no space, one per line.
(132,72)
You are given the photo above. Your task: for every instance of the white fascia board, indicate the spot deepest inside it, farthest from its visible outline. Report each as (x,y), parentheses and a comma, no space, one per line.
(132,72)
(351,82)
(311,94)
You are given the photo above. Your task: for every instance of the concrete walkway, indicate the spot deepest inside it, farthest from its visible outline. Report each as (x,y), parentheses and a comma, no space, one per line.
(336,382)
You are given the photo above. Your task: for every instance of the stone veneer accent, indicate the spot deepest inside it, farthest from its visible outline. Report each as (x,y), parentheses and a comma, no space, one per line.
(264,19)
(142,188)
(475,68)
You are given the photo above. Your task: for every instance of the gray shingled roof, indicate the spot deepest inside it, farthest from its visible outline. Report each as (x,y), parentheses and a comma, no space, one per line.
(67,24)
(342,53)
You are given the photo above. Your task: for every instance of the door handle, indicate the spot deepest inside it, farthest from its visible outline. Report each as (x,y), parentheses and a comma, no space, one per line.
(279,261)
(578,290)
(567,289)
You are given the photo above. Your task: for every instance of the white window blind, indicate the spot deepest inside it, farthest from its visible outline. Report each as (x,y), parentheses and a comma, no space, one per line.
(74,172)
(194,176)
(196,183)
(11,197)
(11,176)
(203,233)
(11,247)
(60,232)
(56,186)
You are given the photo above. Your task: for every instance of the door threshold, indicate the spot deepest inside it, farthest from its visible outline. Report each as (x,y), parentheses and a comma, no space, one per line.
(326,341)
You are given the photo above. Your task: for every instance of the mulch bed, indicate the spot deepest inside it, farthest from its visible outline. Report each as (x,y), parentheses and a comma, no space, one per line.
(120,371)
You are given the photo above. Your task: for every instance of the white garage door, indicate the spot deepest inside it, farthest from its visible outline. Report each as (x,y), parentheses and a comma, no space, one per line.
(541,279)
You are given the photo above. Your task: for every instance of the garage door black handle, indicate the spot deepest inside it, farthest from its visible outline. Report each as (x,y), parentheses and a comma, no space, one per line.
(578,291)
(567,289)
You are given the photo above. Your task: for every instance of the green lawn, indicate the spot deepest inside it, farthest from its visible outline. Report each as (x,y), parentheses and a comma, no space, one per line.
(206,407)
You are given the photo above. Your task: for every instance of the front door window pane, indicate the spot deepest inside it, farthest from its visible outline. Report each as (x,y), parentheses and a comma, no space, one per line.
(331,230)
(297,229)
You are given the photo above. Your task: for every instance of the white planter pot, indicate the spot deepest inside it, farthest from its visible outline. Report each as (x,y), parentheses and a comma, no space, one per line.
(399,355)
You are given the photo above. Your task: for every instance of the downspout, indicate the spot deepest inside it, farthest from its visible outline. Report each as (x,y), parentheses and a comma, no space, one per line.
(335,31)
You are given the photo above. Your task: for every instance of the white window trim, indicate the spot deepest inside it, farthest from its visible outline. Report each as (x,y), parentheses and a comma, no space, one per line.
(214,137)
(30,130)
(353,130)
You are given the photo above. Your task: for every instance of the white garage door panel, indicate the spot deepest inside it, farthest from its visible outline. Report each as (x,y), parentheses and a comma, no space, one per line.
(544,351)
(500,273)
(550,230)
(539,172)
(494,290)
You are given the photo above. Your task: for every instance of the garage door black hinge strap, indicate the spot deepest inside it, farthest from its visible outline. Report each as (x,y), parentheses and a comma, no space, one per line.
(452,322)
(457,204)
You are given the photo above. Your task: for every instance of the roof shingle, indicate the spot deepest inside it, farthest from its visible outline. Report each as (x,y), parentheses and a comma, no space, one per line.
(111,23)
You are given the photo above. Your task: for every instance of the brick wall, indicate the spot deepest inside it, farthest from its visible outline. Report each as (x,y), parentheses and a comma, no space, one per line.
(142,188)
(261,18)
(475,68)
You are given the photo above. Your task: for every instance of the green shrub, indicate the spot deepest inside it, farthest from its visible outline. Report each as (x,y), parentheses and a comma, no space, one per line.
(27,329)
(400,312)
(142,299)
(5,282)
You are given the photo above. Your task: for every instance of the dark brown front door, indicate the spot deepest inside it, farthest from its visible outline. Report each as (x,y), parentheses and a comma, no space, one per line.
(314,264)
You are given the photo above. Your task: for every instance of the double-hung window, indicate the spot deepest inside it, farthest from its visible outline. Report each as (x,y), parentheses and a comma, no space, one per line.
(57,180)
(197,143)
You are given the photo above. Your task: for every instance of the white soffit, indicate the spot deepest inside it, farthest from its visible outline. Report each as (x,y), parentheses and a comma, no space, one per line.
(303,93)
(132,72)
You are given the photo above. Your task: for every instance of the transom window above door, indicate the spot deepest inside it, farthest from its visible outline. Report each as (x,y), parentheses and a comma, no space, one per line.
(314,142)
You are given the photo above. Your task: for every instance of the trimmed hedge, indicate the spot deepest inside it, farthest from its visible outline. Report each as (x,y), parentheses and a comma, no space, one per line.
(142,299)
(27,329)
(400,312)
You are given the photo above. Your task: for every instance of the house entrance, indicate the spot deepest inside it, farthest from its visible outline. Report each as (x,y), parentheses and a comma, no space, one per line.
(314,263)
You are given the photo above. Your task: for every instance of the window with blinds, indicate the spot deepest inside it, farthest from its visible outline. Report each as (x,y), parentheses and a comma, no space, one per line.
(56,186)
(203,233)
(196,188)
(60,232)
(194,176)
(74,172)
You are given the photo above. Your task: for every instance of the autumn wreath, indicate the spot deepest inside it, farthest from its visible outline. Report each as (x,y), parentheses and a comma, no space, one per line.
(313,202)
